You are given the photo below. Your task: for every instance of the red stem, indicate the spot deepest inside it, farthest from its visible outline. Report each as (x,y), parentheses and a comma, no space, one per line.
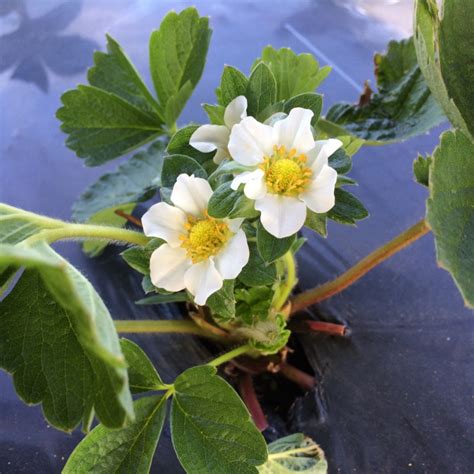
(250,399)
(304,380)
(331,329)
(129,217)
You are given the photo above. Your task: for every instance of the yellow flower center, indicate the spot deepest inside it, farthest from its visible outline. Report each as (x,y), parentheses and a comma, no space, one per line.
(205,237)
(286,172)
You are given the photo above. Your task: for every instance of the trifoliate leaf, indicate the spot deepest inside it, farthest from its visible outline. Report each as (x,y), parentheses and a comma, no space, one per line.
(451,209)
(445,51)
(308,100)
(294,453)
(294,74)
(421,169)
(403,106)
(178,52)
(174,165)
(135,180)
(142,375)
(225,202)
(129,449)
(348,209)
(58,341)
(316,222)
(179,145)
(257,272)
(211,429)
(261,91)
(233,84)
(270,247)
(102,126)
(253,304)
(222,303)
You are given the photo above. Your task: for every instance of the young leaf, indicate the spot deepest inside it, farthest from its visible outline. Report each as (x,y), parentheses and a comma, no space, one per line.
(222,303)
(348,209)
(317,222)
(175,165)
(225,202)
(59,342)
(211,429)
(257,272)
(308,100)
(421,170)
(294,453)
(178,52)
(451,209)
(142,375)
(294,74)
(261,91)
(135,180)
(129,449)
(403,106)
(179,145)
(445,51)
(270,247)
(233,84)
(253,304)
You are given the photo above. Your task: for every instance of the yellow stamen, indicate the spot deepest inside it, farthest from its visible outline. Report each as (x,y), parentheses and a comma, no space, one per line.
(205,237)
(286,172)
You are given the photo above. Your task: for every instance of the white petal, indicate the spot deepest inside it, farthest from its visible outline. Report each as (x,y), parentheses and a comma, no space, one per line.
(208,138)
(281,216)
(319,197)
(233,257)
(221,155)
(234,224)
(255,187)
(250,141)
(295,130)
(166,222)
(168,266)
(191,194)
(203,279)
(235,111)
(322,150)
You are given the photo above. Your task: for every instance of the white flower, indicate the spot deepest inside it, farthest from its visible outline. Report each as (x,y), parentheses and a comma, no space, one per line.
(200,251)
(288,170)
(208,138)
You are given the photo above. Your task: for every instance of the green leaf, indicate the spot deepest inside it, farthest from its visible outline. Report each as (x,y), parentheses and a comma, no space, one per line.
(215,113)
(175,165)
(58,341)
(142,375)
(222,303)
(257,272)
(316,222)
(261,91)
(253,304)
(308,100)
(211,429)
(179,145)
(421,170)
(178,52)
(233,84)
(350,143)
(402,108)
(16,224)
(139,257)
(445,51)
(270,247)
(294,74)
(225,202)
(113,72)
(179,297)
(294,453)
(127,450)
(451,209)
(134,181)
(348,209)
(340,161)
(102,126)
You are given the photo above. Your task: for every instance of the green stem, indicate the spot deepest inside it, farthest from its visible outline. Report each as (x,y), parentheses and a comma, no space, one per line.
(286,288)
(323,292)
(238,351)
(163,326)
(87,231)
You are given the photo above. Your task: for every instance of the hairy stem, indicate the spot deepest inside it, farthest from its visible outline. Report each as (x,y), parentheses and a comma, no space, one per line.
(286,288)
(238,351)
(325,291)
(87,231)
(152,326)
(304,380)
